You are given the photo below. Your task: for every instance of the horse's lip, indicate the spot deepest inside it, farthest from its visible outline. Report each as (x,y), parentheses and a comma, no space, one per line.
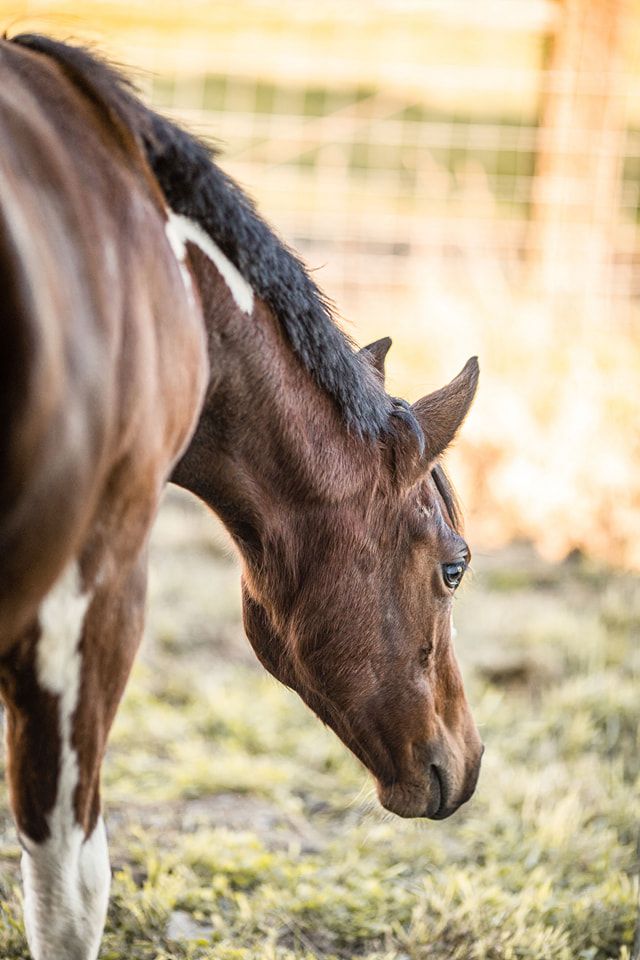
(446,809)
(440,811)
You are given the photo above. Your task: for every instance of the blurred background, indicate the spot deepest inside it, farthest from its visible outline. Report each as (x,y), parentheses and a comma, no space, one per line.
(463,175)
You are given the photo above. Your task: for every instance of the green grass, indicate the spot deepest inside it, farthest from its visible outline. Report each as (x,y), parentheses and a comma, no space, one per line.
(241,829)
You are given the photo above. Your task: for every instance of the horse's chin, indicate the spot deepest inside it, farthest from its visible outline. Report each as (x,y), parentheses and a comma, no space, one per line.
(415,798)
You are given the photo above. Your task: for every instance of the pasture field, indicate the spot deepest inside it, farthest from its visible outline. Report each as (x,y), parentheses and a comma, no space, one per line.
(241,829)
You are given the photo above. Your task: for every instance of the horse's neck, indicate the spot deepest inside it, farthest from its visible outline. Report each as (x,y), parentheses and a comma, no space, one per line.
(270,443)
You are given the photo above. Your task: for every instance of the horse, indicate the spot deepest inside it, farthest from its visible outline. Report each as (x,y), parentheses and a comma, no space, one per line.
(156,330)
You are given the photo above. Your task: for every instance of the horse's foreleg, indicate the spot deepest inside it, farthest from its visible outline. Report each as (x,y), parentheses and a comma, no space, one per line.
(62,684)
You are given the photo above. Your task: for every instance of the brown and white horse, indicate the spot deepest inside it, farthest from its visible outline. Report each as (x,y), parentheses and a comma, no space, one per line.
(155,329)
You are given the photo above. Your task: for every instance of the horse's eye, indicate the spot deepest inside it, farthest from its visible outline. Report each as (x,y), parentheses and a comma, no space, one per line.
(453,573)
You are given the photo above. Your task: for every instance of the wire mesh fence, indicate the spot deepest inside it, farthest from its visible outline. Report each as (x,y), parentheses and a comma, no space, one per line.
(462,176)
(380,187)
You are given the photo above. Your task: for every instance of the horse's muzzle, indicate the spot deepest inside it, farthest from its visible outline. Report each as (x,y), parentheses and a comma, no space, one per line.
(435,792)
(451,800)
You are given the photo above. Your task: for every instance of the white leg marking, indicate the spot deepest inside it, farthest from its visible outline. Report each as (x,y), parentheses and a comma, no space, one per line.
(180,231)
(66,893)
(66,878)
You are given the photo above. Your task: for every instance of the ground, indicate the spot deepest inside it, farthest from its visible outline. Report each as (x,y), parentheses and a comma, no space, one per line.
(241,829)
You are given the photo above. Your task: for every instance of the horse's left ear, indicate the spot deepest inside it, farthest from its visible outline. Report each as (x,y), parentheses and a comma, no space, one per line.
(441,413)
(375,354)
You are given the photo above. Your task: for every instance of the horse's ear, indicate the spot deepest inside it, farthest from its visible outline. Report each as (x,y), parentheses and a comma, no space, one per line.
(375,354)
(441,413)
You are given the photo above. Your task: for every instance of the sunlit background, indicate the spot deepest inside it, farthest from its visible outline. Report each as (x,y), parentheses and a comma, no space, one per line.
(463,175)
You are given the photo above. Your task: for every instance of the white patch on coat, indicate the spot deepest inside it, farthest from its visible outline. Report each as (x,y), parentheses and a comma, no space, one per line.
(177,244)
(58,660)
(66,878)
(181,230)
(454,632)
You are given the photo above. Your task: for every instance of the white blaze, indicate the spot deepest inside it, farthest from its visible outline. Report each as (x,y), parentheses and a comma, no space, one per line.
(66,878)
(180,231)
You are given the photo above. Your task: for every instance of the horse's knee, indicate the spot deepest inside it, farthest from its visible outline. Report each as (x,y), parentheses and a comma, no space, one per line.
(66,890)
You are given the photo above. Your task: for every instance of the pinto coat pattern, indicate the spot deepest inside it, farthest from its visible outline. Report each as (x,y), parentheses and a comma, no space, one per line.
(155,329)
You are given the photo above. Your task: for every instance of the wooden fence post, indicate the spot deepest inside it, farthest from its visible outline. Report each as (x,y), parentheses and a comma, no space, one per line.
(578,174)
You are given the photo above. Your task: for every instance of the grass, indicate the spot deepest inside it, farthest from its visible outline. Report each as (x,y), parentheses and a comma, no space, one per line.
(241,829)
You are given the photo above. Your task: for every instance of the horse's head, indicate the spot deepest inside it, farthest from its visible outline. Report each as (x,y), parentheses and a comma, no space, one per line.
(365,637)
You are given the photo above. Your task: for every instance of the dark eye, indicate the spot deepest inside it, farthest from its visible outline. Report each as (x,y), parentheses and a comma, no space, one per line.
(452,573)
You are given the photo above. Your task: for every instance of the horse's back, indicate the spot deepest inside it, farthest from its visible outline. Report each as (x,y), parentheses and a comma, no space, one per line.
(102,361)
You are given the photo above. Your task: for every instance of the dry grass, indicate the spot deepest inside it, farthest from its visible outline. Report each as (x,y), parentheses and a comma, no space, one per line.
(241,829)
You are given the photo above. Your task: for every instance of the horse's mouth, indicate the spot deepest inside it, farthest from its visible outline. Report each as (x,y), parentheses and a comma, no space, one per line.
(437,801)
(429,797)
(414,798)
(427,793)
(424,794)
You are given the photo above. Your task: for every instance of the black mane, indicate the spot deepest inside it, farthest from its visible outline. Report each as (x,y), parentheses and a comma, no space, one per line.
(196,187)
